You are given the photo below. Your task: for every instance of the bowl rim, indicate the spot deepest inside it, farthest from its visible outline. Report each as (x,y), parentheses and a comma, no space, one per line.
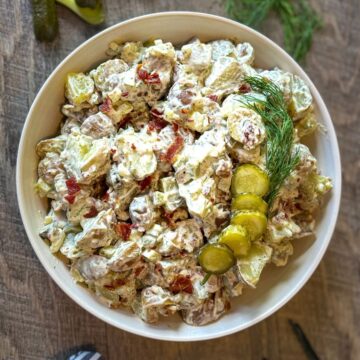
(306,274)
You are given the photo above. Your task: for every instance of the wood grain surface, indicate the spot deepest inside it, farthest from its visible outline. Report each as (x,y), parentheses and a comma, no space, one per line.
(38,321)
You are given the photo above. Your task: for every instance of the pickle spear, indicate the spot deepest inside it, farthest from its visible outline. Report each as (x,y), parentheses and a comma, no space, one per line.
(93,16)
(45,19)
(87,3)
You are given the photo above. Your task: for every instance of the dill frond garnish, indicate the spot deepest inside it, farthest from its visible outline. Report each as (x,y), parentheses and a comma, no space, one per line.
(280,158)
(299,23)
(298,19)
(249,12)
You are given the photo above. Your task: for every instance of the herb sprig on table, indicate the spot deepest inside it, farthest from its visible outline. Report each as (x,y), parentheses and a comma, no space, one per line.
(299,20)
(280,158)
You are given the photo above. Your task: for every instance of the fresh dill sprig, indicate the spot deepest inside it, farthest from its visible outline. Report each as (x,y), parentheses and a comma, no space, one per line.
(280,158)
(298,19)
(299,23)
(249,12)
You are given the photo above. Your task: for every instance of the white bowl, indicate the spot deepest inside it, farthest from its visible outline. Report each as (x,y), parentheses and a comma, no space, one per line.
(278,285)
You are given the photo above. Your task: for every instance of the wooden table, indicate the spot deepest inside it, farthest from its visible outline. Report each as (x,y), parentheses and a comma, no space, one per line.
(38,321)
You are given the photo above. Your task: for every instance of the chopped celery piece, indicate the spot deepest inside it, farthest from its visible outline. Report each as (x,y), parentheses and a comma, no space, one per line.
(42,188)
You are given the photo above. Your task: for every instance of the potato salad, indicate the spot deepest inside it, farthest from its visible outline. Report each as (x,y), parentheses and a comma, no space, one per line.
(178,173)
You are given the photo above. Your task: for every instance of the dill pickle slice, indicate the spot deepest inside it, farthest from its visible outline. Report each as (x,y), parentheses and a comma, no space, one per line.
(216,258)
(254,222)
(249,201)
(249,178)
(45,19)
(251,265)
(236,238)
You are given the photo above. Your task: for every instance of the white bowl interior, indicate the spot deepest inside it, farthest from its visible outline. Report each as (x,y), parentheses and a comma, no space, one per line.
(277,285)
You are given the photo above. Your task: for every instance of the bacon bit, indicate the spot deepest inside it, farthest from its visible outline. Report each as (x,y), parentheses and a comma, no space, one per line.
(169,219)
(156,113)
(143,184)
(124,230)
(174,148)
(183,253)
(112,151)
(106,196)
(92,213)
(115,284)
(157,121)
(133,146)
(119,282)
(72,186)
(106,106)
(153,79)
(125,94)
(142,74)
(70,198)
(146,77)
(181,283)
(168,215)
(184,111)
(213,97)
(220,221)
(158,267)
(124,121)
(138,270)
(151,128)
(244,88)
(175,127)
(156,124)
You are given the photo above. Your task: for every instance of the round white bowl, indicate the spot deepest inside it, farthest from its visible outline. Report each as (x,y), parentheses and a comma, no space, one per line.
(277,285)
